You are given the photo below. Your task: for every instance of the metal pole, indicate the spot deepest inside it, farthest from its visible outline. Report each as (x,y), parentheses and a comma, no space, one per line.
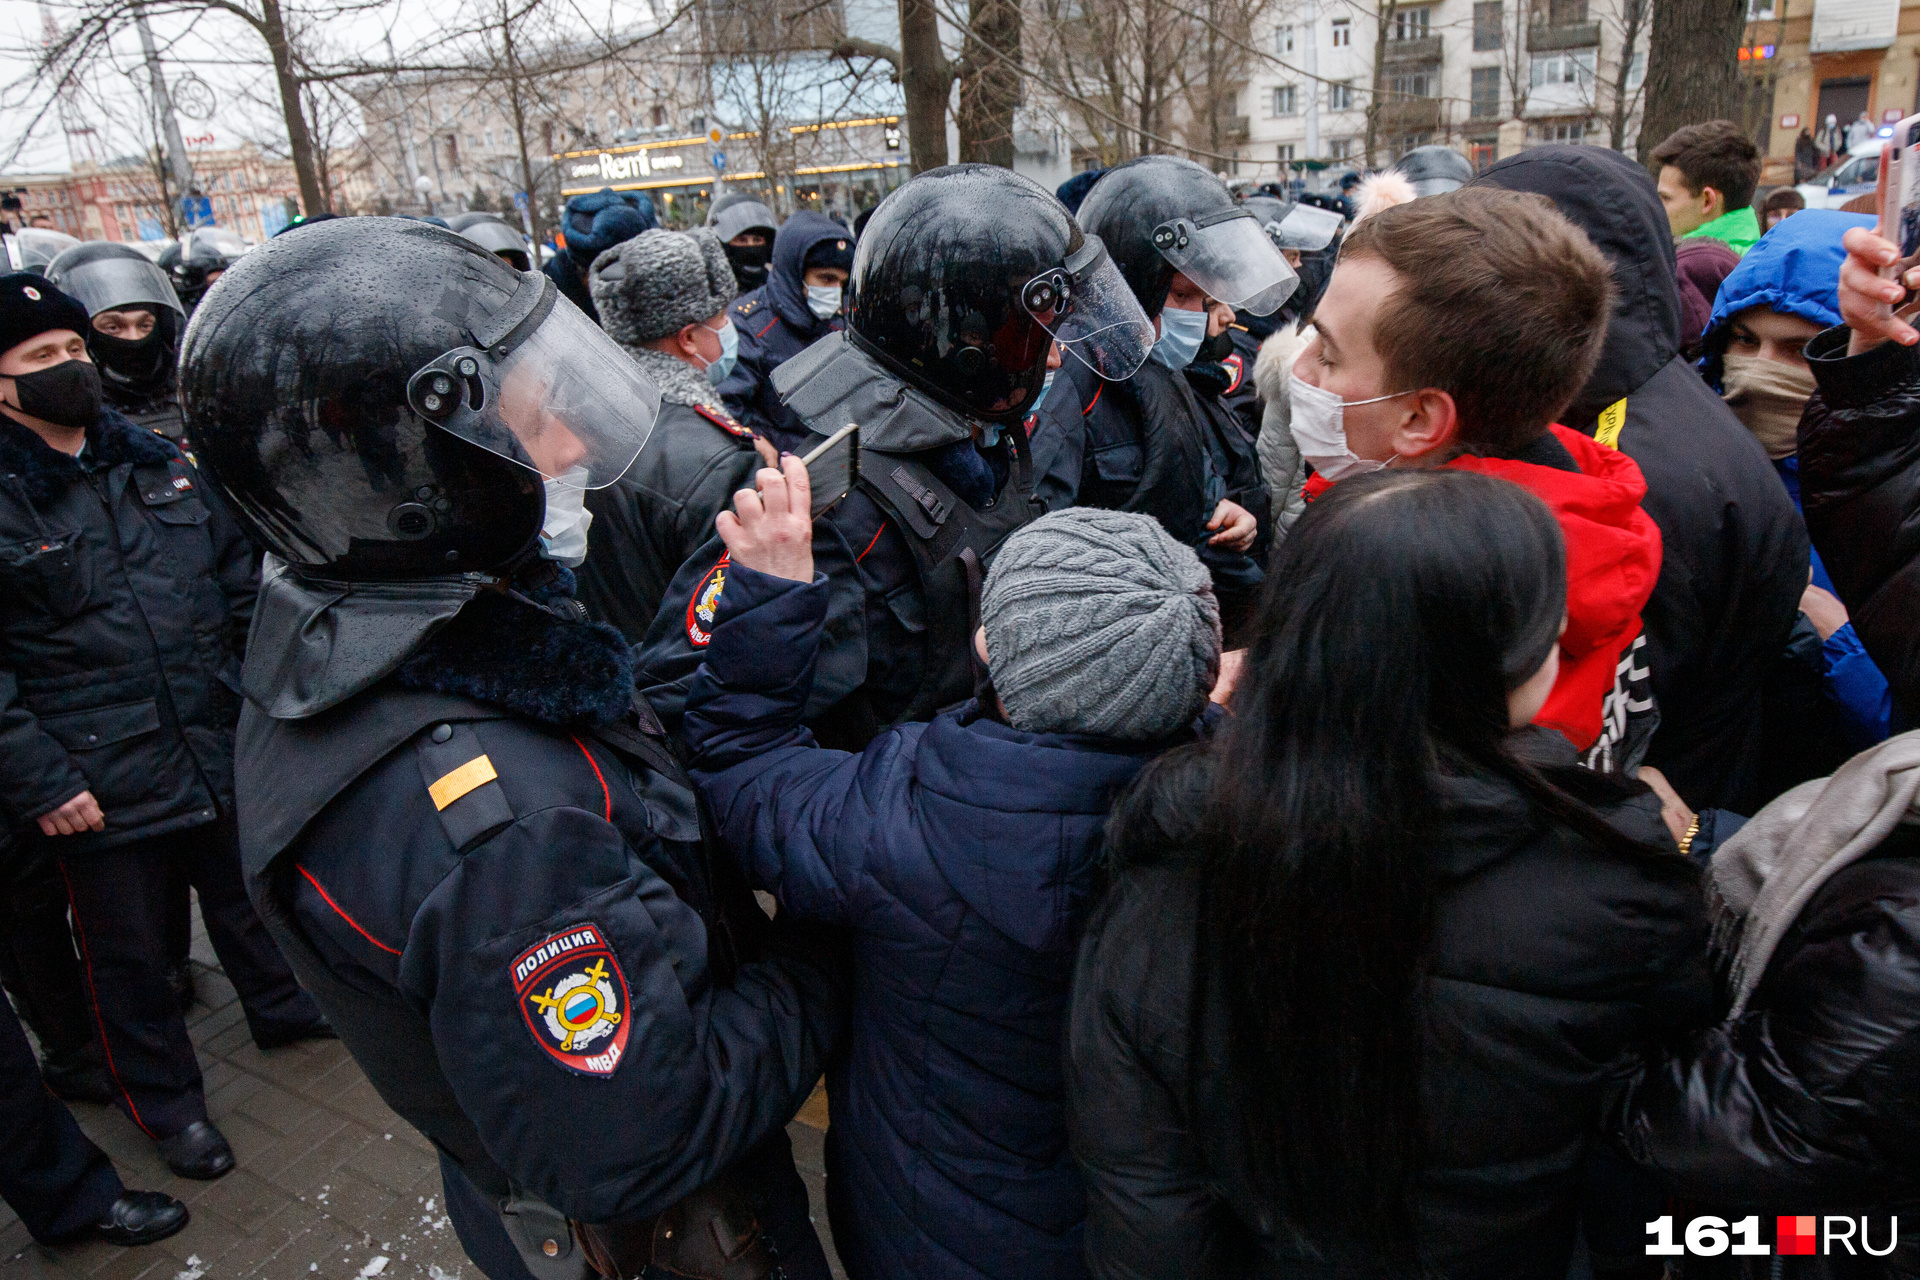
(1312,59)
(163,106)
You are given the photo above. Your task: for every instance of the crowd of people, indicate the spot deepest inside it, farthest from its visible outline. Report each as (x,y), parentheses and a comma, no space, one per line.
(1243,734)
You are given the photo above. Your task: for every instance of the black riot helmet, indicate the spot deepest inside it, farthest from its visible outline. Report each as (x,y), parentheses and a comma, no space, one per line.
(380,401)
(1159,215)
(965,277)
(196,260)
(106,276)
(1435,170)
(496,235)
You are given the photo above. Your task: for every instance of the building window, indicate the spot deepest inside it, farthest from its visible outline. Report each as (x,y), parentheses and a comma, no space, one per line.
(1411,24)
(1567,13)
(1340,96)
(1489,26)
(1759,10)
(1286,153)
(659,117)
(1486,93)
(1413,83)
(1481,152)
(1342,33)
(1568,66)
(1340,149)
(613,122)
(1286,100)
(1283,40)
(453,152)
(489,135)
(1572,131)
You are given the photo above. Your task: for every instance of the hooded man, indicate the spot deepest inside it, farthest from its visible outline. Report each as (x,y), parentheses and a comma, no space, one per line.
(797,306)
(591,225)
(663,296)
(1735,558)
(746,228)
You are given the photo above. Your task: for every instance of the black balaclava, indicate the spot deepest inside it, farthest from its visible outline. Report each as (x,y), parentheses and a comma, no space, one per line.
(137,370)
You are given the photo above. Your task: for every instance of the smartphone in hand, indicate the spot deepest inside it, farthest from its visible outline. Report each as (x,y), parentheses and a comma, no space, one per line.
(1900,193)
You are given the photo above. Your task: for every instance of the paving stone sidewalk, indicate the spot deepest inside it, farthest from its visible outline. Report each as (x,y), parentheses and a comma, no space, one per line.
(331,1184)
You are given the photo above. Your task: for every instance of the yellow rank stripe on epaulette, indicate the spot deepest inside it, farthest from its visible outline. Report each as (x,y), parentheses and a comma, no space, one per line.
(1612,418)
(477,772)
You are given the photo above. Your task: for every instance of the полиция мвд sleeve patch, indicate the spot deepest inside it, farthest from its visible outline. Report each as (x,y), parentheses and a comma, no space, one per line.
(574,998)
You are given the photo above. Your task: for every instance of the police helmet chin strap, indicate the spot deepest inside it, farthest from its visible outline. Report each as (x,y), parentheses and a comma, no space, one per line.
(533,571)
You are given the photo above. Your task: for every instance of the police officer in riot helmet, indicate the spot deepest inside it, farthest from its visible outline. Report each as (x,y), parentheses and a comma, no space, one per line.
(194,262)
(494,234)
(465,832)
(1188,250)
(968,278)
(746,228)
(136,323)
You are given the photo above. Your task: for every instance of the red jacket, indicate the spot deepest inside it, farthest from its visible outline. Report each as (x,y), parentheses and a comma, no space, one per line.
(1613,557)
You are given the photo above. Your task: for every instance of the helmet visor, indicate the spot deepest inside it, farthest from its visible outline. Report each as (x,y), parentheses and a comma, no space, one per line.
(1305,227)
(39,245)
(108,284)
(1229,257)
(1086,305)
(563,401)
(494,237)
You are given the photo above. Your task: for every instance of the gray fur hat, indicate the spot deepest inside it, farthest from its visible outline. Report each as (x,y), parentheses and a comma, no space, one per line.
(659,282)
(1099,623)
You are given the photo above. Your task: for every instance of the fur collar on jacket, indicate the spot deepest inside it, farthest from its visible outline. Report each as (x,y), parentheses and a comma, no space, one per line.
(679,382)
(46,472)
(508,653)
(1275,361)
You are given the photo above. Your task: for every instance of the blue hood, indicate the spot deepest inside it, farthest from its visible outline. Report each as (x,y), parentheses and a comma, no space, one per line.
(1794,269)
(786,288)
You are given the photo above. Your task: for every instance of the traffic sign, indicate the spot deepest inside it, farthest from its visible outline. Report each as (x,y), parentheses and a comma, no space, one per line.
(520,201)
(715,136)
(720,161)
(197,211)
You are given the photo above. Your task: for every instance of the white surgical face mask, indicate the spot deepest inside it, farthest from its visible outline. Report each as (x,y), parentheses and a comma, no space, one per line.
(718,370)
(1181,333)
(563,536)
(1320,429)
(824,300)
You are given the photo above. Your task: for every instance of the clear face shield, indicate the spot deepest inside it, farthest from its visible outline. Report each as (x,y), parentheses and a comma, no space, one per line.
(1086,305)
(1305,228)
(1229,257)
(110,284)
(544,388)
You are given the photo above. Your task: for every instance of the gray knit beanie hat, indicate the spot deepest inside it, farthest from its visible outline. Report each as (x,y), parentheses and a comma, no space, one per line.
(1100,623)
(659,282)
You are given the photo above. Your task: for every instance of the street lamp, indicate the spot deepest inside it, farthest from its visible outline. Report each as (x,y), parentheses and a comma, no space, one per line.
(424,185)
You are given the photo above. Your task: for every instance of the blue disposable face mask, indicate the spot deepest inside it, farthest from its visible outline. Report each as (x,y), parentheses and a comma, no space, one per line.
(729,336)
(1181,333)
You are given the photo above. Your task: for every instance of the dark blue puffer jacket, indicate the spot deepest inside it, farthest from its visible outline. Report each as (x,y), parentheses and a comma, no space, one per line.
(962,854)
(775,326)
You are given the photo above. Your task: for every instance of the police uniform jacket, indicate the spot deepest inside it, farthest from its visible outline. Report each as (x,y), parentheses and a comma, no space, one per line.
(776,325)
(128,590)
(895,551)
(506,910)
(661,511)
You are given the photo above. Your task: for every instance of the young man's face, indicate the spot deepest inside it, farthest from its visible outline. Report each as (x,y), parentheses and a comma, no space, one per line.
(1687,211)
(1342,358)
(1771,335)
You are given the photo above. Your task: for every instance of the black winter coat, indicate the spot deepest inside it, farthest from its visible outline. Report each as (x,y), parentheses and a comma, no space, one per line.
(129,589)
(647,524)
(1734,557)
(1860,488)
(1550,959)
(1810,1103)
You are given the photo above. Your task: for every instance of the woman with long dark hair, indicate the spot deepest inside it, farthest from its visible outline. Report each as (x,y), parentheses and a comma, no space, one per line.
(1372,958)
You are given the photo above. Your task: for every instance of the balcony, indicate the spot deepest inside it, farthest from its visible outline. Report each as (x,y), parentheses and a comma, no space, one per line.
(1543,38)
(1413,115)
(1423,50)
(1235,129)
